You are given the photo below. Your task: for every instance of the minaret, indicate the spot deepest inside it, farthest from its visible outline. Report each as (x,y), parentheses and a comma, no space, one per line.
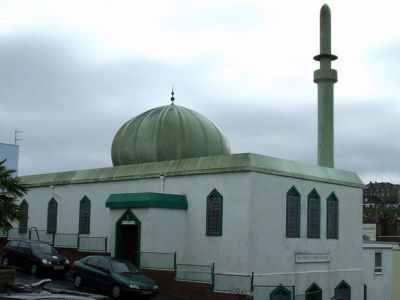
(325,77)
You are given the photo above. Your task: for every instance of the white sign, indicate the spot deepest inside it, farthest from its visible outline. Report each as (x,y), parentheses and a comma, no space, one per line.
(128,223)
(312,258)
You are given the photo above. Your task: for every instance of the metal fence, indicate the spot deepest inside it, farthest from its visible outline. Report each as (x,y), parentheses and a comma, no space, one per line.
(66,240)
(158,260)
(262,292)
(63,240)
(311,295)
(233,283)
(196,273)
(92,244)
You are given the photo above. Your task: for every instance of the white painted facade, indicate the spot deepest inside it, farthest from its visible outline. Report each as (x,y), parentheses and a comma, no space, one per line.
(254,225)
(379,281)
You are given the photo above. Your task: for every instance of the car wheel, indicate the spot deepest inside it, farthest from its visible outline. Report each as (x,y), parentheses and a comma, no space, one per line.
(78,282)
(34,269)
(116,292)
(5,261)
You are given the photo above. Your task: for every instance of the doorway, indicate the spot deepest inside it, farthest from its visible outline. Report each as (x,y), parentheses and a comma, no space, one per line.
(129,234)
(127,238)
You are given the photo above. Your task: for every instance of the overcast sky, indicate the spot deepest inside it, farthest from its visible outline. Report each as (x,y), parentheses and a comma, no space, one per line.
(72,72)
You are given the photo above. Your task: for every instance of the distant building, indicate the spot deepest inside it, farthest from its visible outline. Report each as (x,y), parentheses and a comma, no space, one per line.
(10,152)
(379,191)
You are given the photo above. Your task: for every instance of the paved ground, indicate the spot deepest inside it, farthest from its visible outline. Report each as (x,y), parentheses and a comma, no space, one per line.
(64,283)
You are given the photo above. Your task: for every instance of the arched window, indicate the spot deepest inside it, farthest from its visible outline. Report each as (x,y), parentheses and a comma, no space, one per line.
(23,223)
(280,293)
(84,216)
(343,291)
(332,217)
(314,292)
(313,215)
(214,213)
(52,208)
(293,213)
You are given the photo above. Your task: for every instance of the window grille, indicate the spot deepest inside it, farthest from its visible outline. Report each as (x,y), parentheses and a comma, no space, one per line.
(280,293)
(332,217)
(214,213)
(343,291)
(313,215)
(293,213)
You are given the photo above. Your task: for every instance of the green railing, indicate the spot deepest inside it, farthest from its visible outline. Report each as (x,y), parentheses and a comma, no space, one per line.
(84,243)
(92,244)
(233,283)
(195,273)
(311,295)
(266,292)
(158,260)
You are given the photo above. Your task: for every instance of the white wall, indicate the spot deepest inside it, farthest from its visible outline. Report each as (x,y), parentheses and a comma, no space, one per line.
(254,221)
(379,284)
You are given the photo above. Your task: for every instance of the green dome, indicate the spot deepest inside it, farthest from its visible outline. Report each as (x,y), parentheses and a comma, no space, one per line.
(167,133)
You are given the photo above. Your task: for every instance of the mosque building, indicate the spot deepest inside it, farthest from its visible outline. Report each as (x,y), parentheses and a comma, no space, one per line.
(175,187)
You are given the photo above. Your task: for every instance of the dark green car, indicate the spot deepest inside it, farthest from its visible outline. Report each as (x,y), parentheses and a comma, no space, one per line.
(116,277)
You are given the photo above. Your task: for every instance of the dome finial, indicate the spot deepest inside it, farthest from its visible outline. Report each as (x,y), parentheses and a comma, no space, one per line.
(172,96)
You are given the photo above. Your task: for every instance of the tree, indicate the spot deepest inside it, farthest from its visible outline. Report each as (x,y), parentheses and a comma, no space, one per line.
(11,188)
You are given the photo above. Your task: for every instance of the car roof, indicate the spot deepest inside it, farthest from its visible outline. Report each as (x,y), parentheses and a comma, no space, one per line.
(43,295)
(105,257)
(28,241)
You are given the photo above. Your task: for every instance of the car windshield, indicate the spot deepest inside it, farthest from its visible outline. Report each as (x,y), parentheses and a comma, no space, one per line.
(43,248)
(119,266)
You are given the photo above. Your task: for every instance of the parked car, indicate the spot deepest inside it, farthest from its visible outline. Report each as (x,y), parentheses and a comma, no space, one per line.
(116,277)
(39,291)
(43,295)
(34,256)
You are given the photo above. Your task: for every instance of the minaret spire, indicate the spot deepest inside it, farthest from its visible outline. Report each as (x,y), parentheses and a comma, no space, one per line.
(172,96)
(325,77)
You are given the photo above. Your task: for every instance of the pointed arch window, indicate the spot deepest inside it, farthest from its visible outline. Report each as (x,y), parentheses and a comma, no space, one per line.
(52,210)
(314,292)
(23,223)
(332,217)
(84,216)
(313,215)
(343,291)
(214,213)
(280,293)
(293,213)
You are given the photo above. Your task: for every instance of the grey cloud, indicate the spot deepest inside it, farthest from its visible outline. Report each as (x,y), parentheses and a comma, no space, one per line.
(70,110)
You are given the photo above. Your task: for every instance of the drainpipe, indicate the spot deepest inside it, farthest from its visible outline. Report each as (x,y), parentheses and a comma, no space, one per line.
(162,178)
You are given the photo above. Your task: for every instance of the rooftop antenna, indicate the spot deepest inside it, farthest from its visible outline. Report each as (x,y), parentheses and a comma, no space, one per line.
(16,139)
